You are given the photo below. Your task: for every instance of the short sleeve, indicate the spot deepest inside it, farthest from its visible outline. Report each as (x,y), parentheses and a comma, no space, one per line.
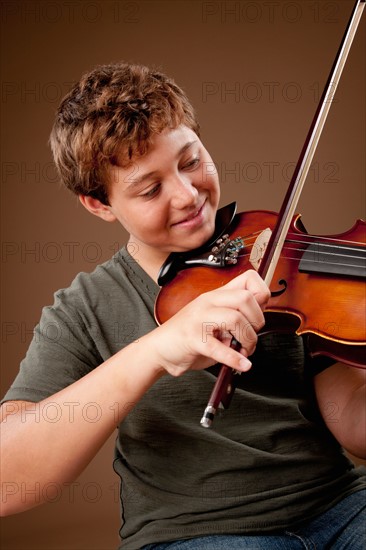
(62,351)
(98,315)
(316,364)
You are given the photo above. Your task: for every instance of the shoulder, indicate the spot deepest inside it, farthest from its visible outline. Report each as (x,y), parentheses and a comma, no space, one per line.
(85,303)
(119,274)
(89,289)
(110,306)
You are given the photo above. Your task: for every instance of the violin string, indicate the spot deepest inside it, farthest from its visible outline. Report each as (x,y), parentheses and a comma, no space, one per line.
(318,238)
(306,260)
(324,244)
(299,257)
(339,248)
(250,240)
(327,240)
(323,253)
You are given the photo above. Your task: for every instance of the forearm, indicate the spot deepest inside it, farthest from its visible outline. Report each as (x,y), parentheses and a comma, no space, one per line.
(341,394)
(52,441)
(353,423)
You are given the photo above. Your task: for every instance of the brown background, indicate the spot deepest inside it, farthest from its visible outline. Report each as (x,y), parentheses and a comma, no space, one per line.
(252,69)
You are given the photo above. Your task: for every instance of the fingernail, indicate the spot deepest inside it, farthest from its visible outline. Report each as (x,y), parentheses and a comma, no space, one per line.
(245,364)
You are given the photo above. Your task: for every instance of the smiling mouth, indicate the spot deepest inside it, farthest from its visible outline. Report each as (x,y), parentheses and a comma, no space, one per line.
(191,216)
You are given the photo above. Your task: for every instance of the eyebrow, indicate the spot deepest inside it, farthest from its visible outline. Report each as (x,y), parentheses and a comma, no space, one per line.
(136,181)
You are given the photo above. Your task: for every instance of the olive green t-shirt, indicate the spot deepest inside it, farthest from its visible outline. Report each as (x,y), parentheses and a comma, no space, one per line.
(267,463)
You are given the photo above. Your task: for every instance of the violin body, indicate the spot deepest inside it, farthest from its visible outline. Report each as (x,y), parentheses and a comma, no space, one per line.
(318,288)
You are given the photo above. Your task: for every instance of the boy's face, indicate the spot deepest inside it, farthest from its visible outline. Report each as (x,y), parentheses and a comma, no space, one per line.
(167,199)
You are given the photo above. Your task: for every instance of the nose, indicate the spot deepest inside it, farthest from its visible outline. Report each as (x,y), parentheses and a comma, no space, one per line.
(184,192)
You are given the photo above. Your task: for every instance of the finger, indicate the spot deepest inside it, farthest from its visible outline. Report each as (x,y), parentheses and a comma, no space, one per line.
(250,280)
(225,355)
(246,338)
(231,302)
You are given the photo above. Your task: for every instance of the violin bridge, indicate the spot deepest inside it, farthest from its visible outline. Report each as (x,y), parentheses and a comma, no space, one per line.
(259,248)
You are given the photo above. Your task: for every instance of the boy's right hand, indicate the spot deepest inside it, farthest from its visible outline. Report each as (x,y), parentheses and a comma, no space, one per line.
(199,335)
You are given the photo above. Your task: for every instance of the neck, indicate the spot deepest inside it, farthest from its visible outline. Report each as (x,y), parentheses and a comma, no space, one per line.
(152,269)
(150,260)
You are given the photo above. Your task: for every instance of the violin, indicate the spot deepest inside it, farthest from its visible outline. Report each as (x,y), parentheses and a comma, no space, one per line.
(318,287)
(317,282)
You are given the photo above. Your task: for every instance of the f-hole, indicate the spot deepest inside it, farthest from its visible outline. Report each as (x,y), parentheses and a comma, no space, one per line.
(282,283)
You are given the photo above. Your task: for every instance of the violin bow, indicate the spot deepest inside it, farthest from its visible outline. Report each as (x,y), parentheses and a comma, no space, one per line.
(224,387)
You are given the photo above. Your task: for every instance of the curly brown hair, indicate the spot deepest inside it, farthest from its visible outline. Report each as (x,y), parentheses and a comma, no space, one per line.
(108,118)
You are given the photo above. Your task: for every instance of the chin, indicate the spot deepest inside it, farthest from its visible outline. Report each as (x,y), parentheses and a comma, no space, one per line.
(197,241)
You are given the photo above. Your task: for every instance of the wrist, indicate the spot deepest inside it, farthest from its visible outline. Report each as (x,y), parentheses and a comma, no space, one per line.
(138,364)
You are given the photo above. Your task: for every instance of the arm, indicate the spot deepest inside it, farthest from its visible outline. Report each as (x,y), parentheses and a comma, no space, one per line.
(36,451)
(341,395)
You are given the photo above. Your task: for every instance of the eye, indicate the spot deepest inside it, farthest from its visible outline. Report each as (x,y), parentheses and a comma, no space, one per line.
(151,192)
(192,163)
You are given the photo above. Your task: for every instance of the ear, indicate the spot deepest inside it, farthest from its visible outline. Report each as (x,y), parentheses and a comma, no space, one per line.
(97,208)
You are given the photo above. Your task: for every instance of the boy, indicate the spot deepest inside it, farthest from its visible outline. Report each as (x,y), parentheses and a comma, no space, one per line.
(270,473)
